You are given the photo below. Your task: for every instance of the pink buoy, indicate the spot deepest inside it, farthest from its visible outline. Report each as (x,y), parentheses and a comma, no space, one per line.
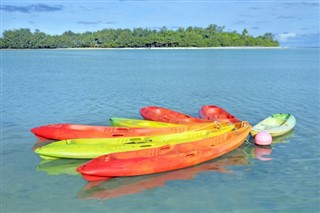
(263,138)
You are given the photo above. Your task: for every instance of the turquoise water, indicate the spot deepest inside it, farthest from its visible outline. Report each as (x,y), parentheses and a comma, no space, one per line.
(87,87)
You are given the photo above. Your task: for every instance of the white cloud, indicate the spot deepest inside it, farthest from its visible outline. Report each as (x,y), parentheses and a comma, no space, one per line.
(300,40)
(287,35)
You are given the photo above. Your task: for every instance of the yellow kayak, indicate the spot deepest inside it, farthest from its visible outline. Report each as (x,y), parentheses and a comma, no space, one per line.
(94,147)
(128,122)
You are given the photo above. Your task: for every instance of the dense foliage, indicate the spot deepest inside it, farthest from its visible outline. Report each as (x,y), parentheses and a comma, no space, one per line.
(212,36)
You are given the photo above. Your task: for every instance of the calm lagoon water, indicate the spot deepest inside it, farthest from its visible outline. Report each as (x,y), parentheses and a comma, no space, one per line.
(90,86)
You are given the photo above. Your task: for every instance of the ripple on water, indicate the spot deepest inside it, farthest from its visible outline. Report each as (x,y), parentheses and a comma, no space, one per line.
(88,87)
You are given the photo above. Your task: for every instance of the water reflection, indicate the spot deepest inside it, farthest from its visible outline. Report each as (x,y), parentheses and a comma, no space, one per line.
(283,138)
(261,152)
(60,166)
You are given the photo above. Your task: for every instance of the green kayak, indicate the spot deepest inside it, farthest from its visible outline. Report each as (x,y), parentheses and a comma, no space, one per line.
(275,125)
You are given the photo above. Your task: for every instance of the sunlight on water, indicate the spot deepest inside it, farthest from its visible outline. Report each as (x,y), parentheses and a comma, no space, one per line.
(88,87)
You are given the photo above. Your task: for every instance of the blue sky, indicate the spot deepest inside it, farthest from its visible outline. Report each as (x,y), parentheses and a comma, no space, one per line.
(294,23)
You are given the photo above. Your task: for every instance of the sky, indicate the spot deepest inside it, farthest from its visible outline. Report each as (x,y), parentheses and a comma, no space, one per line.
(293,23)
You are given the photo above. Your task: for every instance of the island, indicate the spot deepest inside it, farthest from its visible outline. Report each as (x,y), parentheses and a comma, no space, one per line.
(211,36)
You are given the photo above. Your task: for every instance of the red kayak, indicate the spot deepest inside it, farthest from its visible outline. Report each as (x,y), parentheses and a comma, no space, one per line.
(215,113)
(73,131)
(156,113)
(165,158)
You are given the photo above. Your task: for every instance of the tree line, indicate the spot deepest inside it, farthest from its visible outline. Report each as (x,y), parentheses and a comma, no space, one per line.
(211,36)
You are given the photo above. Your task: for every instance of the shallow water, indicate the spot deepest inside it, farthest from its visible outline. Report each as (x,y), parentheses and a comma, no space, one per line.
(90,86)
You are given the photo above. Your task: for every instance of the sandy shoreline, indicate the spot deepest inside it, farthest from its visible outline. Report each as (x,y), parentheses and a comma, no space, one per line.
(167,48)
(159,48)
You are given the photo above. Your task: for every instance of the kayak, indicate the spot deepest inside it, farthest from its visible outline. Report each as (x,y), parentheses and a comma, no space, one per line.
(73,131)
(216,113)
(93,170)
(93,147)
(89,148)
(173,157)
(125,186)
(127,122)
(275,125)
(161,114)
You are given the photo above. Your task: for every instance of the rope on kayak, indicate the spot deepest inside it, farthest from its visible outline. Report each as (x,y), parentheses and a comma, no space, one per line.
(218,124)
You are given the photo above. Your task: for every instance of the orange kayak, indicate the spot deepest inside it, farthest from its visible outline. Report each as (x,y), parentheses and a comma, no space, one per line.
(165,158)
(156,113)
(216,113)
(74,131)
(125,186)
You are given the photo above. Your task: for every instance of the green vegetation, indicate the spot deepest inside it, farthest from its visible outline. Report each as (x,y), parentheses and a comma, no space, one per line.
(212,36)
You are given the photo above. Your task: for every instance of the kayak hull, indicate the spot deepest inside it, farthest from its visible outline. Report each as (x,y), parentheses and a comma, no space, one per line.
(276,125)
(161,114)
(74,131)
(102,190)
(176,157)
